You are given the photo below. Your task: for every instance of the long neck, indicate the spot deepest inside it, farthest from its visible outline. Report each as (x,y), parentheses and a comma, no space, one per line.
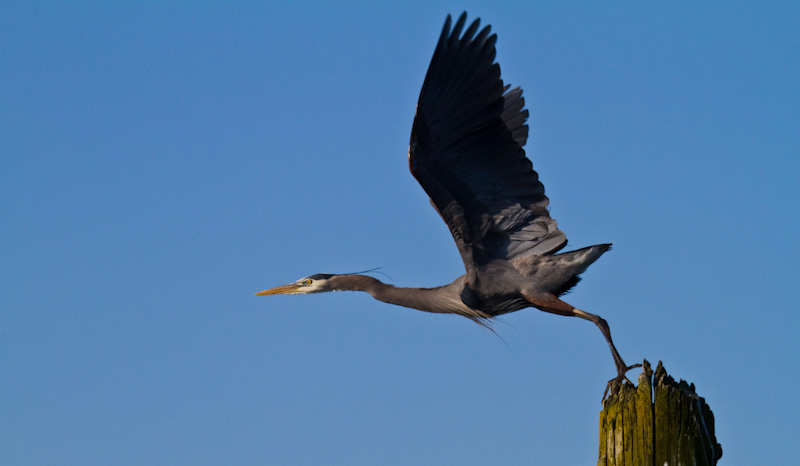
(444,299)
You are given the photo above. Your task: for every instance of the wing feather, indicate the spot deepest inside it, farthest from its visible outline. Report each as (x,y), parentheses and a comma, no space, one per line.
(466,152)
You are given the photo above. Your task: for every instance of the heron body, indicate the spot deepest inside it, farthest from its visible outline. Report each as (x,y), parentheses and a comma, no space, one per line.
(466,153)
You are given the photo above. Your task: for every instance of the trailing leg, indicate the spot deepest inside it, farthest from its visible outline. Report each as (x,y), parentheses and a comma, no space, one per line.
(622,368)
(554,305)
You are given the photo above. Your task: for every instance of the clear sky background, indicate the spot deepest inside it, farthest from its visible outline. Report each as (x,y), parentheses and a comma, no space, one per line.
(161,162)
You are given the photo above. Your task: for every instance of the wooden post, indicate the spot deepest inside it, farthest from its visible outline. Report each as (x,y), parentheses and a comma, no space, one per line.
(658,423)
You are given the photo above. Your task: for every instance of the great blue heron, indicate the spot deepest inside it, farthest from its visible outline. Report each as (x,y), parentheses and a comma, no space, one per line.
(466,152)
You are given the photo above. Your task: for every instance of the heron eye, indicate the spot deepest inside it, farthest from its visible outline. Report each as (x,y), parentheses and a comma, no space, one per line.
(308,282)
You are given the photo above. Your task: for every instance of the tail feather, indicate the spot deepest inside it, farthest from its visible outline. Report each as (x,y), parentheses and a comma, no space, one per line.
(575,263)
(567,286)
(558,273)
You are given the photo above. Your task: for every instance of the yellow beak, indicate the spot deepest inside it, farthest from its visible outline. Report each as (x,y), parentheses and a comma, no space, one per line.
(283,289)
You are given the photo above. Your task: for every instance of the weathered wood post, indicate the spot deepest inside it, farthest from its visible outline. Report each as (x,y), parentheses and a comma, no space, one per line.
(658,423)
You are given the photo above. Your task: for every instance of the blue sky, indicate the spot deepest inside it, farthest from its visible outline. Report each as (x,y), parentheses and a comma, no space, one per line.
(160,163)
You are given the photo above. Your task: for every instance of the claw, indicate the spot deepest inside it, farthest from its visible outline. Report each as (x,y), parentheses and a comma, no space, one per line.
(614,384)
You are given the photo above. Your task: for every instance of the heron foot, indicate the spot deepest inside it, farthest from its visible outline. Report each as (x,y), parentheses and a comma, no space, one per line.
(613,386)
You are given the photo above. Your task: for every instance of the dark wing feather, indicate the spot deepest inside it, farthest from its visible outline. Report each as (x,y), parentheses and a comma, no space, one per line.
(466,152)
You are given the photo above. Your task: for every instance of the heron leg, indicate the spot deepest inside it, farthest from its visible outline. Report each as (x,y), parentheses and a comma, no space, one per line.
(554,305)
(622,368)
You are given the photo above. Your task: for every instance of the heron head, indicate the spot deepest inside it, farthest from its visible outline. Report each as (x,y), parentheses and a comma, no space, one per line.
(318,283)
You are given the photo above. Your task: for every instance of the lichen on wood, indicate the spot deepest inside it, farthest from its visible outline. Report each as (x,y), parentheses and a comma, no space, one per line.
(657,422)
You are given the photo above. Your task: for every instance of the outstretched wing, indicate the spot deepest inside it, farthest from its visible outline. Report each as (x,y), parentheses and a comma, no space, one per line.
(466,152)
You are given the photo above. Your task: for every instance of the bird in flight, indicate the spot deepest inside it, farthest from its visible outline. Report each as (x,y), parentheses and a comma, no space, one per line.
(466,152)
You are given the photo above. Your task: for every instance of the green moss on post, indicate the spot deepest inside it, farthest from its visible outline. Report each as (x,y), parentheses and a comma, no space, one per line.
(660,422)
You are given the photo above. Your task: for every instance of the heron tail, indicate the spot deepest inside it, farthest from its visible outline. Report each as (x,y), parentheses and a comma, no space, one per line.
(574,263)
